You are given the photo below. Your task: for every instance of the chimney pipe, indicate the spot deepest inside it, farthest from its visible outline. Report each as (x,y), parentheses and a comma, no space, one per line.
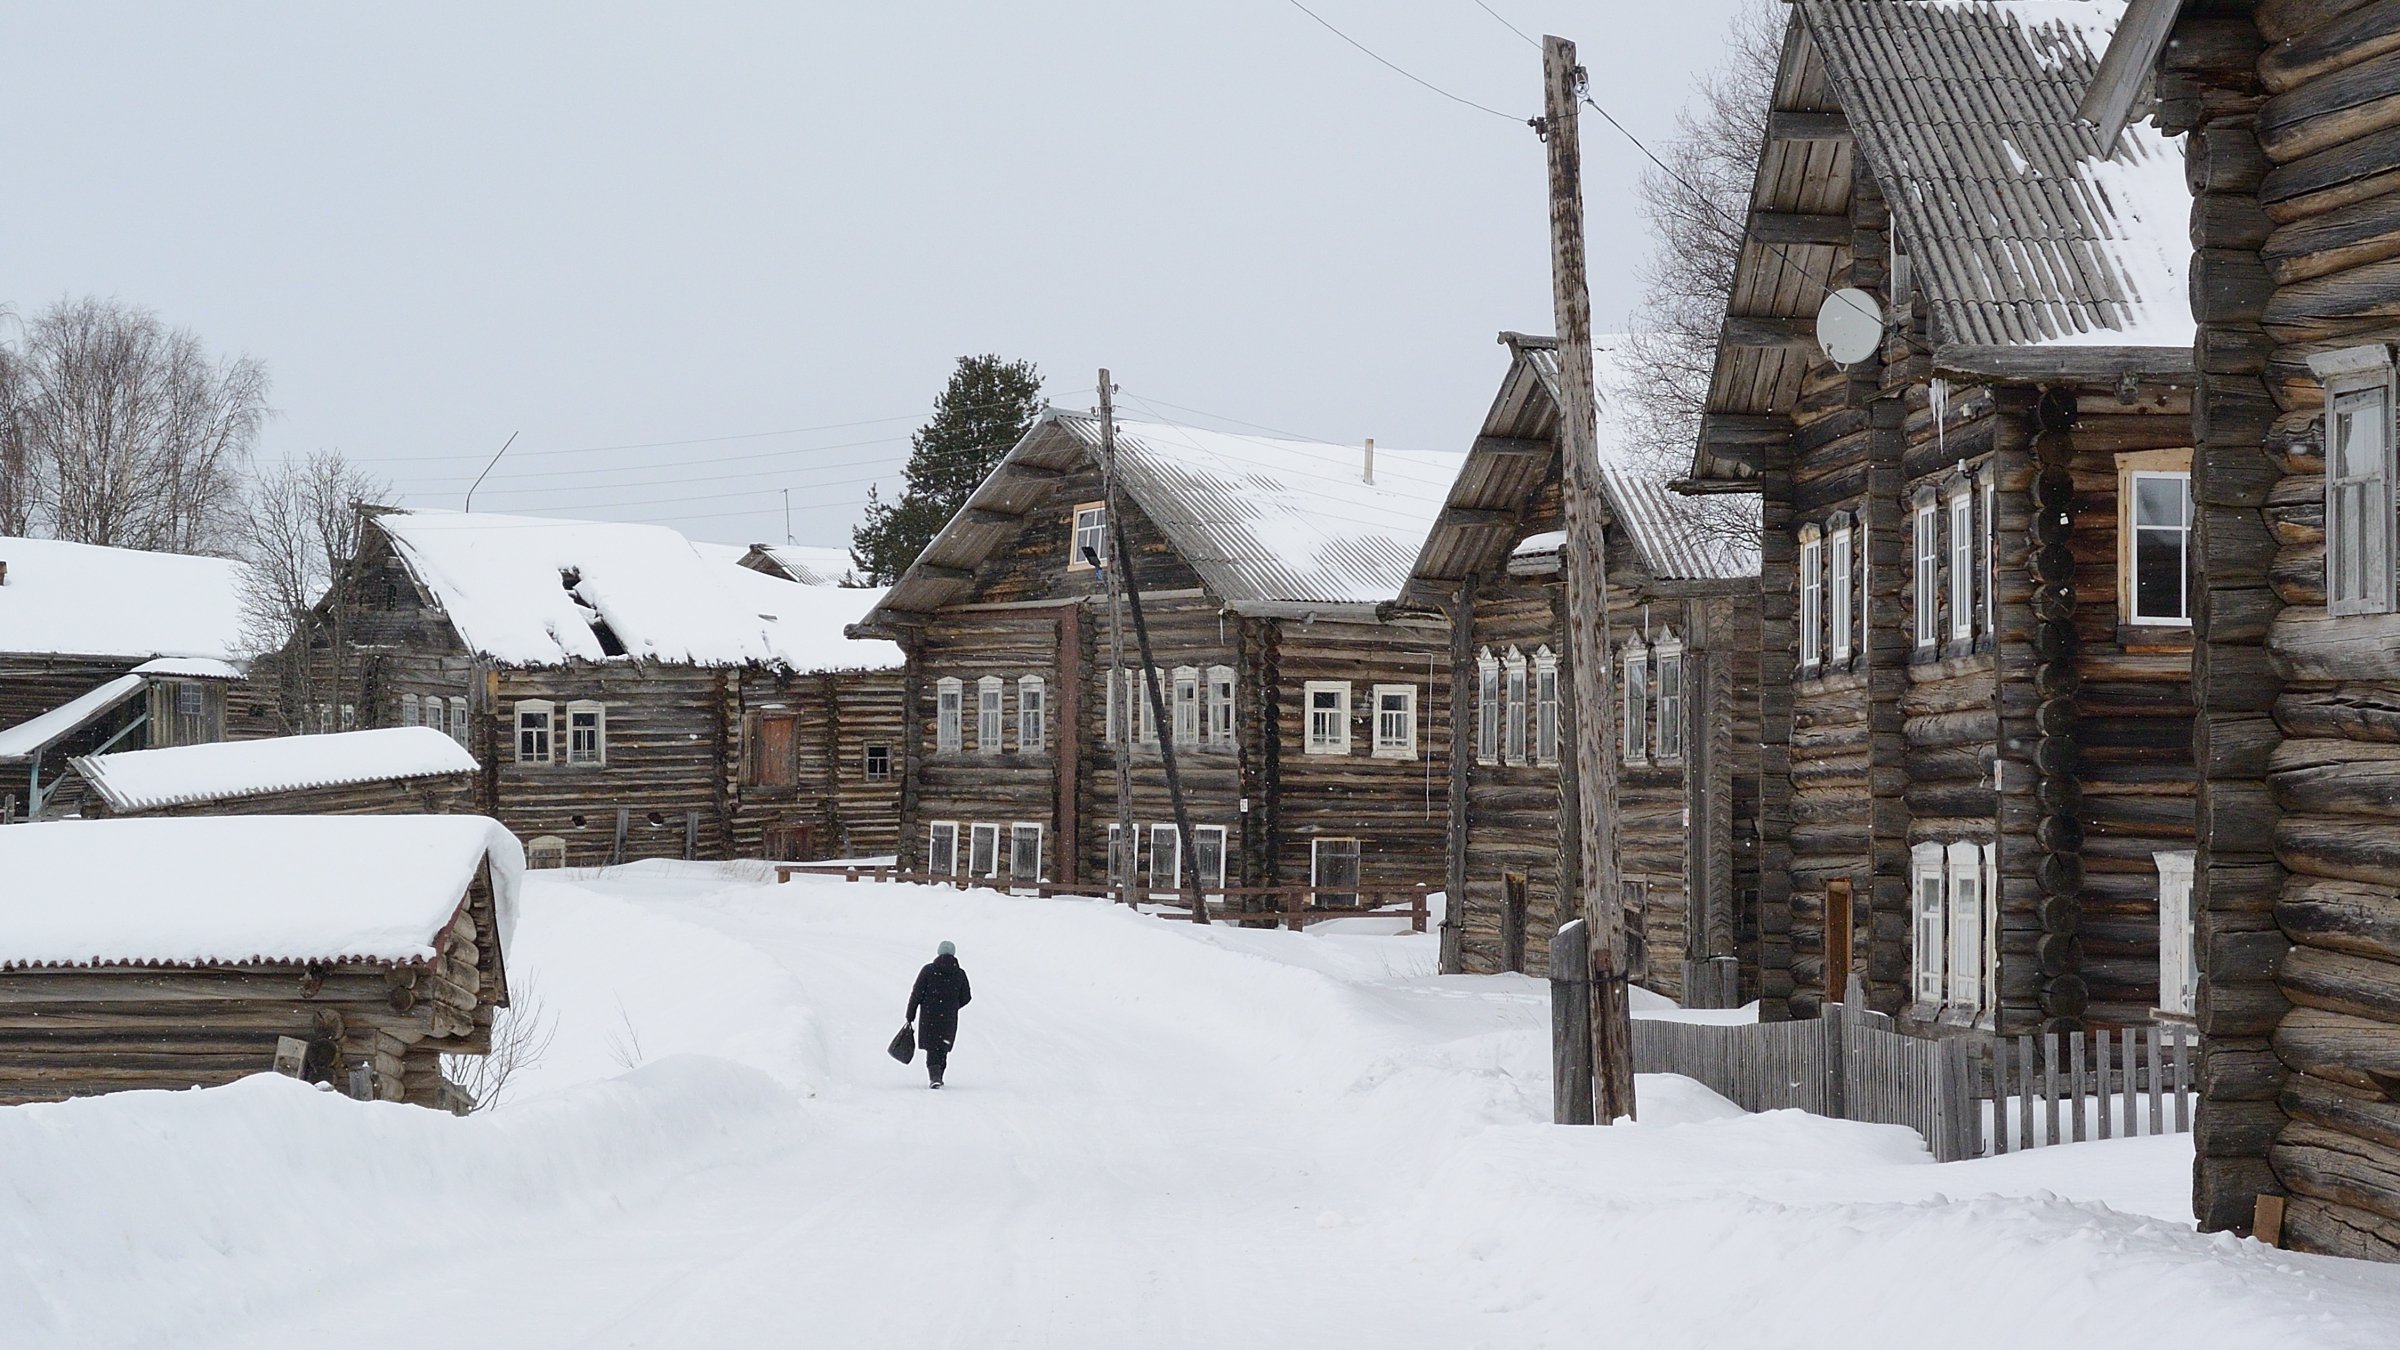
(1370,461)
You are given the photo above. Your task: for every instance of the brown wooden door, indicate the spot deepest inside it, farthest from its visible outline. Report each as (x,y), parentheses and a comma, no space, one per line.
(790,842)
(1837,939)
(1512,921)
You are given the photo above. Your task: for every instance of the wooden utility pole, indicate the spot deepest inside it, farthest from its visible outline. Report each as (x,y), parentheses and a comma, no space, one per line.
(1187,861)
(1119,697)
(1595,741)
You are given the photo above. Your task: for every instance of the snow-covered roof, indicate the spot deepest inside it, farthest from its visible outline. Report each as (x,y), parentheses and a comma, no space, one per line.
(541,592)
(2026,229)
(190,668)
(245,890)
(84,600)
(809,564)
(145,780)
(803,622)
(41,731)
(1270,525)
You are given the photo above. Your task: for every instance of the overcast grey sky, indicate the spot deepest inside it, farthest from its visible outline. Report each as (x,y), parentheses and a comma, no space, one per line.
(622,226)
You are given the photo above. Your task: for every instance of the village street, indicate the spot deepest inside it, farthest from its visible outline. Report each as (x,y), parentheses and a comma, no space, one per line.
(1152,1136)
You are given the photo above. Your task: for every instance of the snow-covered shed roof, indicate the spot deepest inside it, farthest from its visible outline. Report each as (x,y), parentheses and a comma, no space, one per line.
(1273,526)
(533,591)
(43,730)
(62,599)
(245,890)
(803,623)
(145,780)
(1677,538)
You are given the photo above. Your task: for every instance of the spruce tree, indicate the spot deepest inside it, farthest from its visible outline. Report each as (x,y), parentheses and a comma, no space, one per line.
(986,408)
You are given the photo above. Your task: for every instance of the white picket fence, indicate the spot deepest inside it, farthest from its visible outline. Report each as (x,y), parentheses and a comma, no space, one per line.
(1967,1095)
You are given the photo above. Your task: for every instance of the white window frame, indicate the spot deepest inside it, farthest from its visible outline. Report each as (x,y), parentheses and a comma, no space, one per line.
(544,714)
(1488,707)
(412,711)
(1212,881)
(1316,739)
(1842,591)
(2178,939)
(1137,702)
(1221,723)
(1387,744)
(1991,555)
(1670,694)
(2361,546)
(1633,697)
(458,720)
(1091,517)
(1018,832)
(1164,833)
(1185,709)
(949,711)
(1812,597)
(1545,705)
(1928,562)
(1929,911)
(2133,470)
(978,834)
(1121,870)
(1316,884)
(597,713)
(1033,706)
(941,848)
(991,715)
(1963,985)
(1513,712)
(1960,507)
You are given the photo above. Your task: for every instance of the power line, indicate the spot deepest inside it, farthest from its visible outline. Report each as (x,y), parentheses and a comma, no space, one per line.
(1406,75)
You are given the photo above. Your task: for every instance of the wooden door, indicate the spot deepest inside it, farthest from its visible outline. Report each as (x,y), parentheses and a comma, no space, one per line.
(1512,921)
(1837,939)
(790,841)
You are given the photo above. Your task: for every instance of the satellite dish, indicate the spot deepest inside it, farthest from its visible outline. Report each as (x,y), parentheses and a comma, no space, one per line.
(1850,325)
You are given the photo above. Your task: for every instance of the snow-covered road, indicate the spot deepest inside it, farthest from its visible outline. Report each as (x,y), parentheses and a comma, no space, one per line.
(1153,1136)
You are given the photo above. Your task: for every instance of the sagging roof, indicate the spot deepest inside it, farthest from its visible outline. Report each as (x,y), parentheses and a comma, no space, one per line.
(808,564)
(533,591)
(43,730)
(147,780)
(61,599)
(2037,247)
(1677,538)
(246,890)
(1272,526)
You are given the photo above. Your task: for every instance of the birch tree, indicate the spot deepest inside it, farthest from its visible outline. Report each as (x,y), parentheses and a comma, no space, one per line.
(300,535)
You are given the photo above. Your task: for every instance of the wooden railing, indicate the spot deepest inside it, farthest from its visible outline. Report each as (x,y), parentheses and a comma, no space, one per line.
(1292,907)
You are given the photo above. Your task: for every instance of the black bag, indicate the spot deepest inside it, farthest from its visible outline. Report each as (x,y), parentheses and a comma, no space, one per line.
(904,1045)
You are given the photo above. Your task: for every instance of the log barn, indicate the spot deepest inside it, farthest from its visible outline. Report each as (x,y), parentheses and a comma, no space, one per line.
(176,953)
(1683,604)
(1977,780)
(2287,107)
(1301,715)
(386,771)
(112,648)
(625,696)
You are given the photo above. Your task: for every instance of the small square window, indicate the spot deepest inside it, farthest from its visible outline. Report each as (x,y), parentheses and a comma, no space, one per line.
(879,763)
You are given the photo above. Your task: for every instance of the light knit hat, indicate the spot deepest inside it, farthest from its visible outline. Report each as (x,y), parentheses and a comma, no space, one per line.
(948,949)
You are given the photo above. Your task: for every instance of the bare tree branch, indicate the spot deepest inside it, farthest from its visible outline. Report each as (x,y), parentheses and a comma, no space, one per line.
(300,534)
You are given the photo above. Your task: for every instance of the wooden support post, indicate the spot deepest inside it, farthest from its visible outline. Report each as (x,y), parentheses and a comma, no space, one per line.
(1570,1026)
(1595,749)
(1120,862)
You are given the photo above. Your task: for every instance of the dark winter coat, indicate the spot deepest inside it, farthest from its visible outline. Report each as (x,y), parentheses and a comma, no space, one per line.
(941,991)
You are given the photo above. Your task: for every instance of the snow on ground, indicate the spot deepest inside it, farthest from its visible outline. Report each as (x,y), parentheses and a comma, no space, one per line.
(1154,1135)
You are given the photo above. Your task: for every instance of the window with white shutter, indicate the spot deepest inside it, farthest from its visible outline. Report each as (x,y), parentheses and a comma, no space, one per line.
(2359,478)
(1634,728)
(1812,598)
(1964,991)
(991,712)
(1841,591)
(1929,903)
(1487,707)
(948,707)
(1545,706)
(2178,943)
(1928,572)
(1032,707)
(1670,698)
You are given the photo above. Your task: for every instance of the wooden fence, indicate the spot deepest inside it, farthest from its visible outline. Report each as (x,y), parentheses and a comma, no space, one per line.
(1967,1095)
(1290,907)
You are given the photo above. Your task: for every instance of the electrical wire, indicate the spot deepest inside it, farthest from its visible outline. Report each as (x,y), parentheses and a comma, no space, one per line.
(1406,75)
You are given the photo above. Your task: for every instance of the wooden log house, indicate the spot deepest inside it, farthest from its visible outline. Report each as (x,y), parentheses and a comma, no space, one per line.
(1977,781)
(387,771)
(1683,608)
(115,648)
(177,953)
(1301,715)
(2287,107)
(625,696)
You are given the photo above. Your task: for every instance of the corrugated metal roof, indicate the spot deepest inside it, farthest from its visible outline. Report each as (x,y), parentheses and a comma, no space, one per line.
(2026,229)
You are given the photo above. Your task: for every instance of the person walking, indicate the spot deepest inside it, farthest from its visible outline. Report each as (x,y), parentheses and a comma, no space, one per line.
(941,990)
